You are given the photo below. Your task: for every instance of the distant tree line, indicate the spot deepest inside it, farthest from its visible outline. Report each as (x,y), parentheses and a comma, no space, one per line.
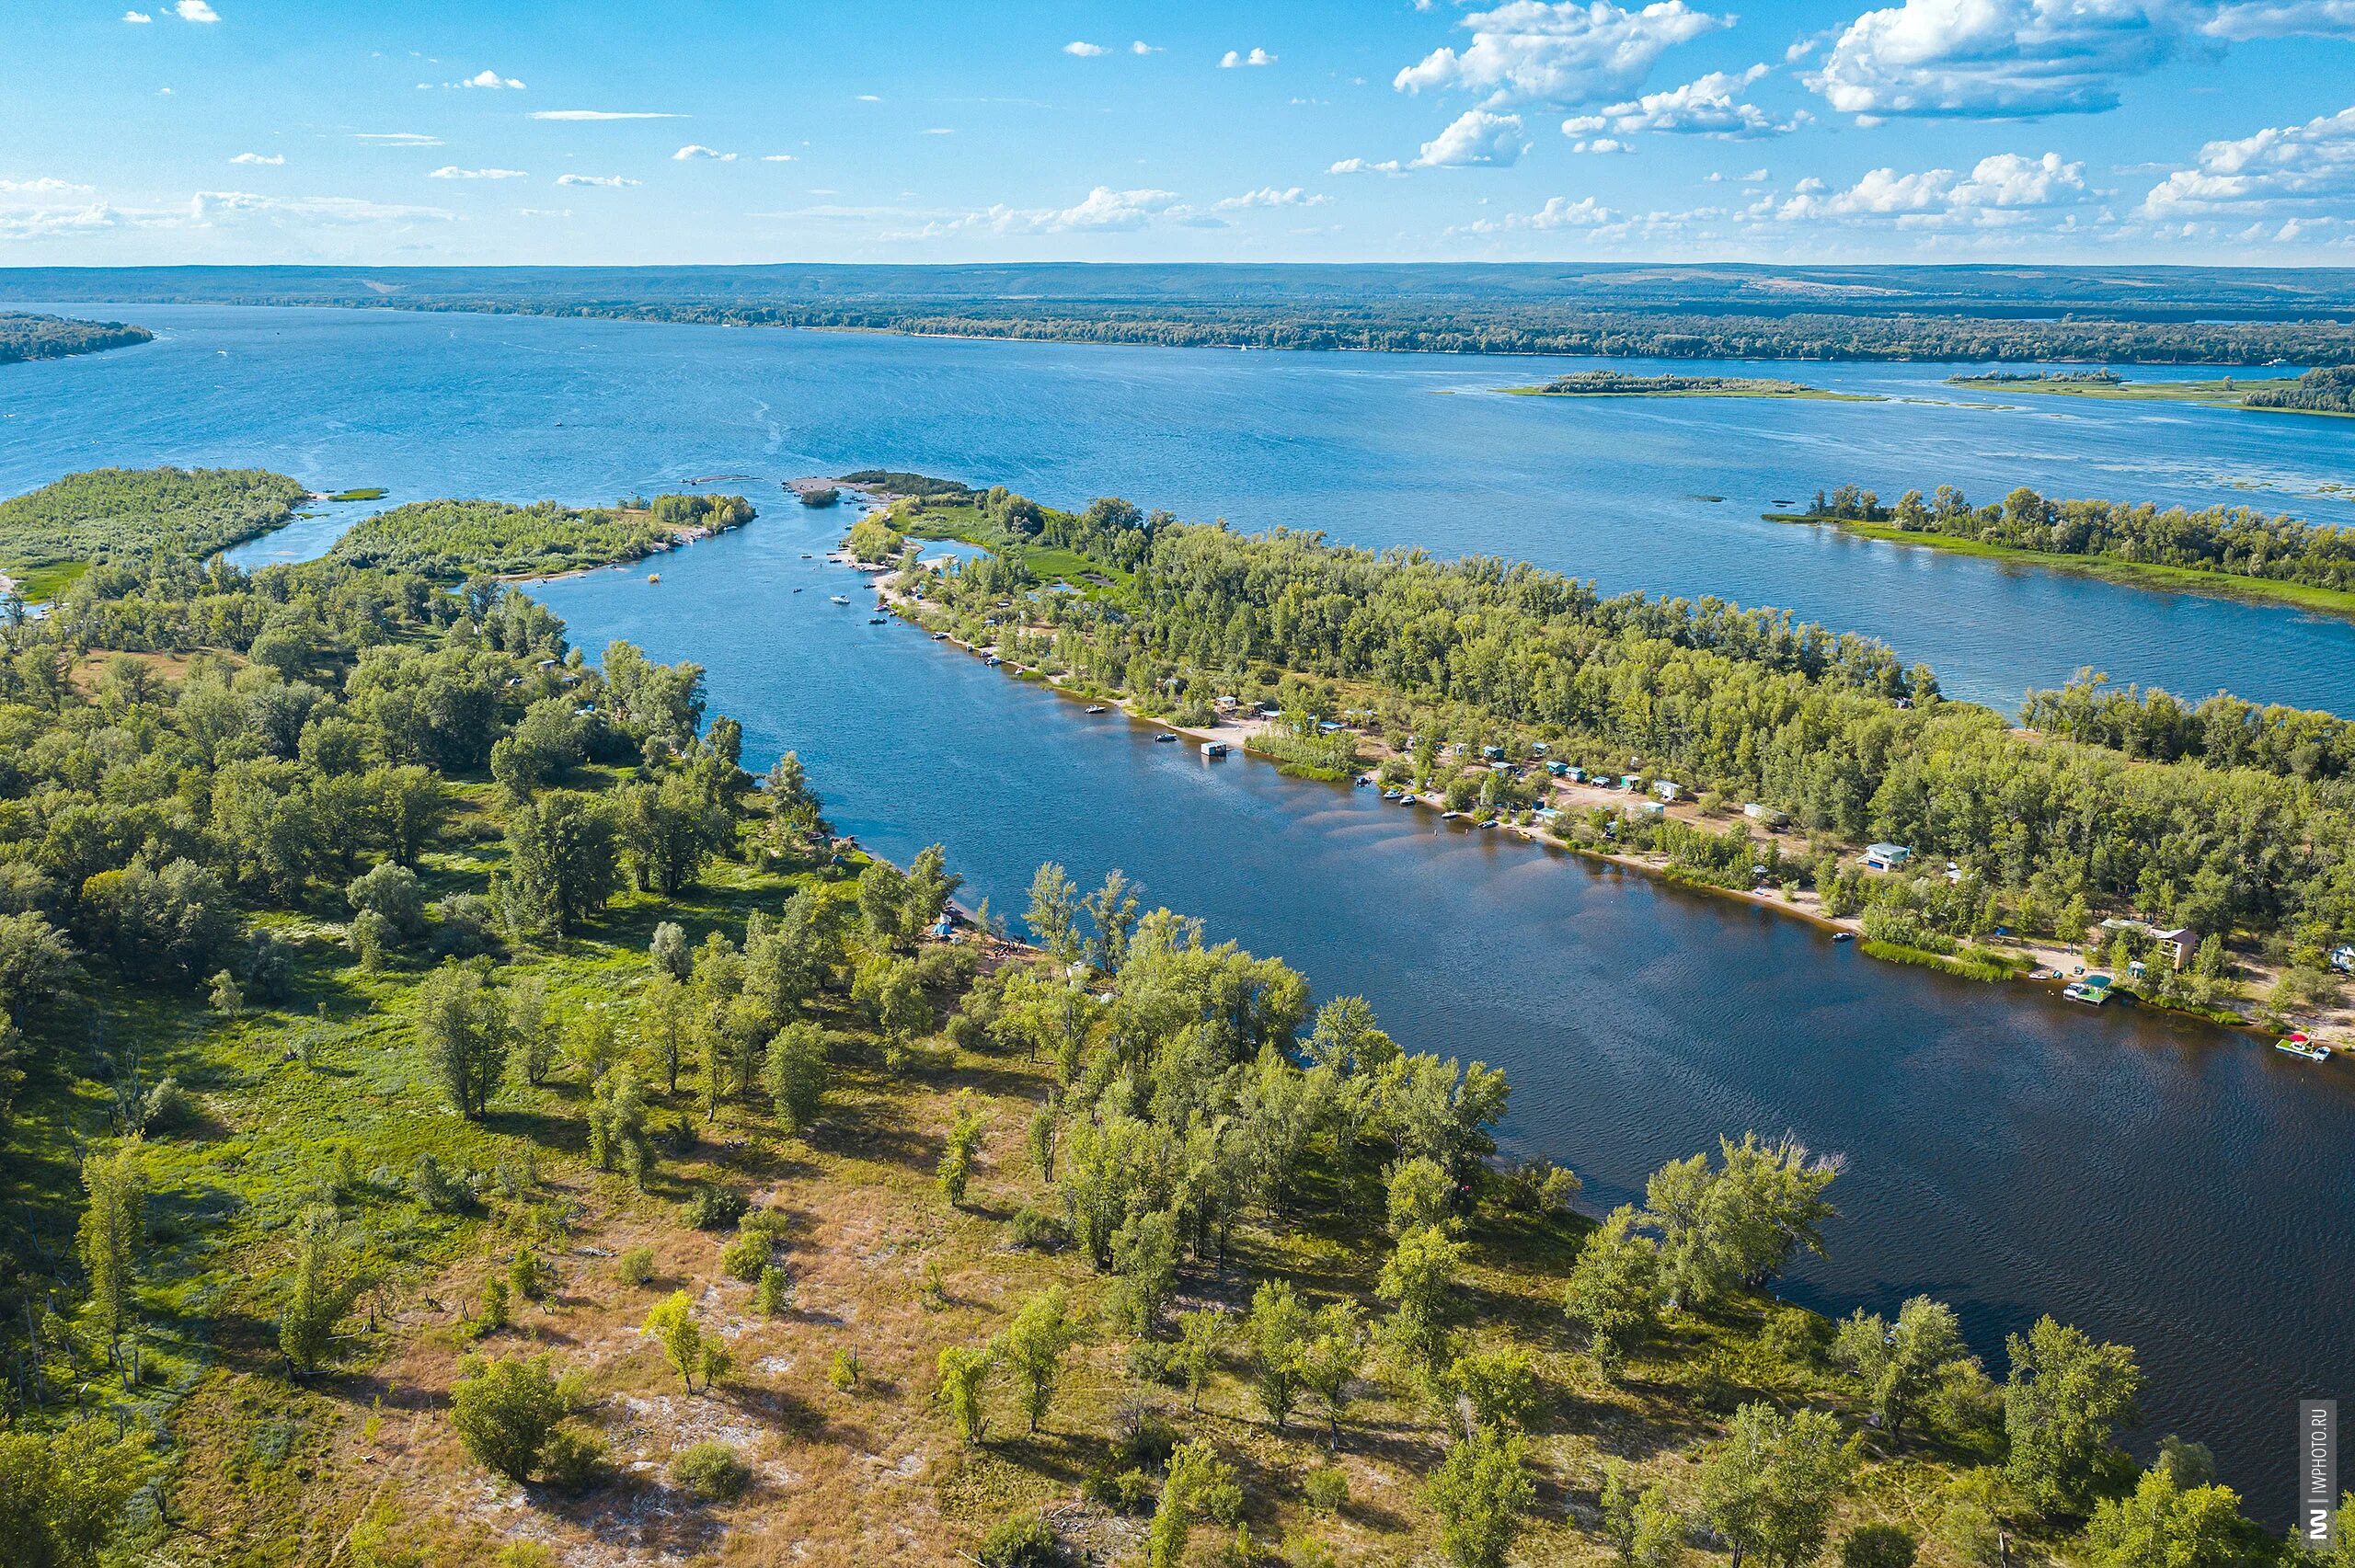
(2329,389)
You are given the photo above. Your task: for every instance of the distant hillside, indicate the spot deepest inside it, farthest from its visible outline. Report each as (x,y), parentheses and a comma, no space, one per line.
(54,337)
(2151,314)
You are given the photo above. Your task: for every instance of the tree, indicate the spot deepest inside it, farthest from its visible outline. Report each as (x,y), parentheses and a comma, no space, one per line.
(1144,1255)
(2064,1396)
(63,1490)
(460,1019)
(531,1026)
(1200,1485)
(1278,1331)
(317,1299)
(1768,1486)
(1480,1492)
(2168,1525)
(617,1136)
(505,1411)
(1113,908)
(35,963)
(1738,1224)
(1494,1388)
(964,1370)
(1419,1283)
(112,1230)
(882,897)
(668,948)
(794,1074)
(672,1325)
(930,886)
(1034,1347)
(667,831)
(1054,904)
(1420,1194)
(1901,1365)
(563,857)
(1644,1527)
(893,992)
(962,1146)
(1202,1334)
(1330,1358)
(1615,1288)
(389,891)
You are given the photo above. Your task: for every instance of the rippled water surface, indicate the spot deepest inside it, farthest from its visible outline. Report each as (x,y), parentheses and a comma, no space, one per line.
(2154,1180)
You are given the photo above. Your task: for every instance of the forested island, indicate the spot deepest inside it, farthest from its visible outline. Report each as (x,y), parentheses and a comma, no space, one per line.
(2117,315)
(1618,383)
(2233,549)
(2246,840)
(2329,389)
(50,536)
(26,337)
(456,1113)
(450,540)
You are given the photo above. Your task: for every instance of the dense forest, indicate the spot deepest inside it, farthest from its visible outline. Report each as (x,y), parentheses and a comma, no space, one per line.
(2253,839)
(24,337)
(126,515)
(447,540)
(2238,540)
(2325,390)
(457,1114)
(2124,316)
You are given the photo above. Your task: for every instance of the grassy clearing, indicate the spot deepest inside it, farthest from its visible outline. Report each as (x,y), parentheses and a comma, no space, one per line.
(2225,392)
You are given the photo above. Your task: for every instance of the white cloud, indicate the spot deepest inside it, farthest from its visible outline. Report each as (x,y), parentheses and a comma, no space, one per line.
(43,185)
(1141,47)
(601,114)
(1709,106)
(1559,213)
(195,11)
(940,130)
(1530,52)
(1085,50)
(1105,211)
(2271,171)
(697,150)
(1268,196)
(273,160)
(869,97)
(208,208)
(1997,57)
(451,171)
(486,79)
(777,157)
(397,138)
(140,17)
(1232,59)
(1600,144)
(610,181)
(1475,137)
(2003,188)
(2282,18)
(1360,166)
(35,221)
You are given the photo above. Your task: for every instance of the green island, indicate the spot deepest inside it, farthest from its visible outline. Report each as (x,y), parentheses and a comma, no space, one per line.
(48,537)
(456,1114)
(448,540)
(2325,390)
(366,492)
(1463,683)
(25,336)
(1615,383)
(2234,552)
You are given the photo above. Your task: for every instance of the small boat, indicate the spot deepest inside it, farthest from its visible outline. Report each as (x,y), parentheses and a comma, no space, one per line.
(1450,816)
(1389,795)
(1405,798)
(2091,995)
(1213,748)
(654,577)
(806,556)
(878,620)
(1096,707)
(936,636)
(1164,736)
(1844,936)
(2300,1046)
(840,598)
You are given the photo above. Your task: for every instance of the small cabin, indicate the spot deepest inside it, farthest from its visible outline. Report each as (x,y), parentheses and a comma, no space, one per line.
(1654,808)
(1213,748)
(1575,773)
(1886,857)
(1225,704)
(1557,768)
(1629,781)
(1765,814)
(2179,942)
(1667,789)
(1492,753)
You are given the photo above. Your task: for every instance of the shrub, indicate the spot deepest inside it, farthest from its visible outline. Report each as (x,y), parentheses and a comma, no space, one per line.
(1034,1228)
(711,1473)
(1876,1546)
(574,1458)
(1152,1361)
(843,1373)
(634,1266)
(1024,1540)
(505,1413)
(530,1276)
(433,1188)
(1328,1489)
(744,1257)
(714,1207)
(1121,1491)
(773,1292)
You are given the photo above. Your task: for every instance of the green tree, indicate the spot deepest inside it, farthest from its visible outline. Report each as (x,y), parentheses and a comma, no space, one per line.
(1278,1333)
(65,1490)
(1034,1347)
(1769,1485)
(2065,1394)
(1054,914)
(1112,909)
(505,1411)
(617,1131)
(1615,1288)
(1330,1358)
(1901,1363)
(2167,1525)
(464,1025)
(796,1075)
(1420,1194)
(1144,1255)
(1495,1387)
(1878,1546)
(1419,1283)
(962,1147)
(1200,1486)
(691,1353)
(317,1296)
(112,1231)
(1480,1493)
(563,856)
(963,1369)
(1202,1334)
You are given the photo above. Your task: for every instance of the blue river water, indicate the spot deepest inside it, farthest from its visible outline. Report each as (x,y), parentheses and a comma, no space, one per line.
(2154,1180)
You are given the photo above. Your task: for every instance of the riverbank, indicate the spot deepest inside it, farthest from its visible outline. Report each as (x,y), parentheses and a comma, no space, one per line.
(1611,384)
(2129,574)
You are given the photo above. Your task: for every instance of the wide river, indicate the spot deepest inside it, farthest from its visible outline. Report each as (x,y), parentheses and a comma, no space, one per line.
(2153,1180)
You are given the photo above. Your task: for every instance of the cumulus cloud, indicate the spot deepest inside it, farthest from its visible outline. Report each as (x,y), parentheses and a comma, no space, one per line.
(21,221)
(1362,166)
(610,181)
(1104,211)
(1709,106)
(1559,213)
(693,150)
(1085,50)
(195,11)
(1268,196)
(1600,144)
(1141,47)
(451,171)
(273,160)
(1476,138)
(1530,52)
(141,17)
(2282,18)
(1233,59)
(1997,57)
(601,114)
(2001,190)
(488,79)
(2281,169)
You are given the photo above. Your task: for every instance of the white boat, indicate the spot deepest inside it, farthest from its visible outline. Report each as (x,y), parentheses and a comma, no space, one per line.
(2300,1046)
(840,598)
(1213,748)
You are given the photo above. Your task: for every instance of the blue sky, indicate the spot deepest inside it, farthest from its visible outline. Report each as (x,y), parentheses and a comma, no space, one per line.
(744,131)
